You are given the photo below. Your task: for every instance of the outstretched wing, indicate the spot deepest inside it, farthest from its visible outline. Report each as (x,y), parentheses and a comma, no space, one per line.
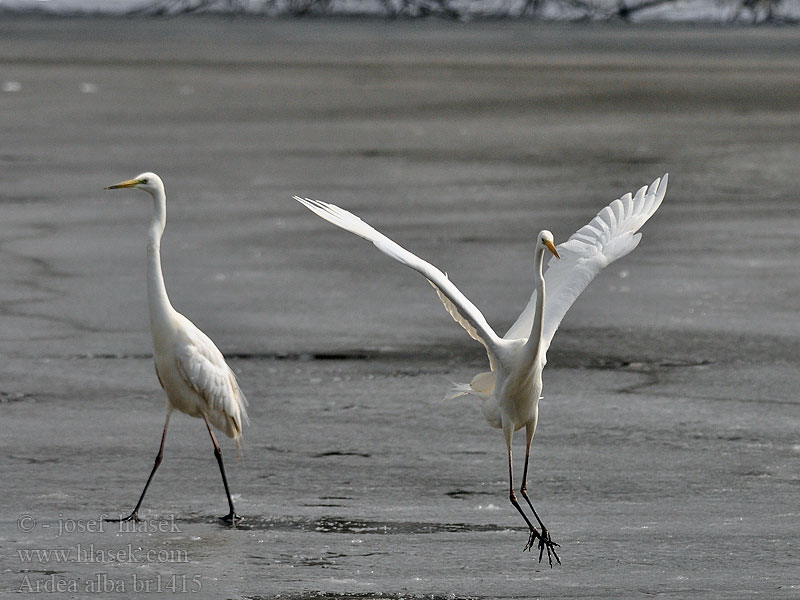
(608,237)
(202,366)
(464,312)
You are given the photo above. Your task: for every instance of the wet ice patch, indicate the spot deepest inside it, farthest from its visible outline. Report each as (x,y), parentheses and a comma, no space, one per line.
(88,88)
(361,528)
(12,86)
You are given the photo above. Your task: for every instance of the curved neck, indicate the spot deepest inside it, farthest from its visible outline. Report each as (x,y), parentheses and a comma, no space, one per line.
(535,338)
(157,299)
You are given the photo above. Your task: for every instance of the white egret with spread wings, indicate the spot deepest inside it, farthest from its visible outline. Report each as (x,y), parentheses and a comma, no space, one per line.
(189,366)
(509,392)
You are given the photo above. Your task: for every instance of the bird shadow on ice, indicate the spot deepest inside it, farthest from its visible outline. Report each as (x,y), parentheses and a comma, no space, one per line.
(330,524)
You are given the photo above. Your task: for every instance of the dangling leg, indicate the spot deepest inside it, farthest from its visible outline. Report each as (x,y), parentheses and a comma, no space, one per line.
(231,517)
(513,497)
(544,538)
(134,516)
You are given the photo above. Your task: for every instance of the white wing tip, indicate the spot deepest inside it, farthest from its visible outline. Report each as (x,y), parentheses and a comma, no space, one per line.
(660,184)
(311,203)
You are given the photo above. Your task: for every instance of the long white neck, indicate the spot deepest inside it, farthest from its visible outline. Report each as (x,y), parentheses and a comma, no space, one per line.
(160,308)
(533,345)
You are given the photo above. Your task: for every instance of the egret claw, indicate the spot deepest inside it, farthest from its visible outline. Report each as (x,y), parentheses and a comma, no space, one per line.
(546,542)
(534,535)
(134,516)
(232,518)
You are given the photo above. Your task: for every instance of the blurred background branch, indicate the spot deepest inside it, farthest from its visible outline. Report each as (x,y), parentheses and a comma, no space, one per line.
(748,11)
(720,11)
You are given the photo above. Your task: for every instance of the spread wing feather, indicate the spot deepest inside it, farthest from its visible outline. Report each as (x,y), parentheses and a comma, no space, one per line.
(464,312)
(606,238)
(459,318)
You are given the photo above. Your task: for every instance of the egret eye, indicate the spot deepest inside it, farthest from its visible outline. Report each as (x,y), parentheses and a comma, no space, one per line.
(145,180)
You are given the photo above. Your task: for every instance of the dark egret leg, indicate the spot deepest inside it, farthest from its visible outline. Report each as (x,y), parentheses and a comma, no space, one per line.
(231,517)
(134,516)
(544,537)
(534,534)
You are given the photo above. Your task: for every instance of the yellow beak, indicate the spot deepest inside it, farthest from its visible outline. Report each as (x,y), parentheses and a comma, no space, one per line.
(124,184)
(549,245)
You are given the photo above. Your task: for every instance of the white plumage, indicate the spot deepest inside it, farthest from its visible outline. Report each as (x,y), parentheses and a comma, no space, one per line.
(510,391)
(189,366)
(203,369)
(606,238)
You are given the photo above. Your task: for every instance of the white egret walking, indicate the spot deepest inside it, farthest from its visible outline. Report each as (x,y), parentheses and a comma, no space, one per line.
(189,366)
(510,391)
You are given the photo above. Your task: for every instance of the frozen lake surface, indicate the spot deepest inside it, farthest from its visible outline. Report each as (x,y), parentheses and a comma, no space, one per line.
(666,460)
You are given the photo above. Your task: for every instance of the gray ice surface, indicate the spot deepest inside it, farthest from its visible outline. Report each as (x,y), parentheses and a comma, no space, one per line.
(666,460)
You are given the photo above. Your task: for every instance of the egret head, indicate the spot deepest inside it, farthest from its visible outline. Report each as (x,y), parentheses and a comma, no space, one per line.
(148,182)
(545,240)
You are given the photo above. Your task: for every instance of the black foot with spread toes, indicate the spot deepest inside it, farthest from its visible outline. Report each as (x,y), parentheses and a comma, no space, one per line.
(544,542)
(134,516)
(232,518)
